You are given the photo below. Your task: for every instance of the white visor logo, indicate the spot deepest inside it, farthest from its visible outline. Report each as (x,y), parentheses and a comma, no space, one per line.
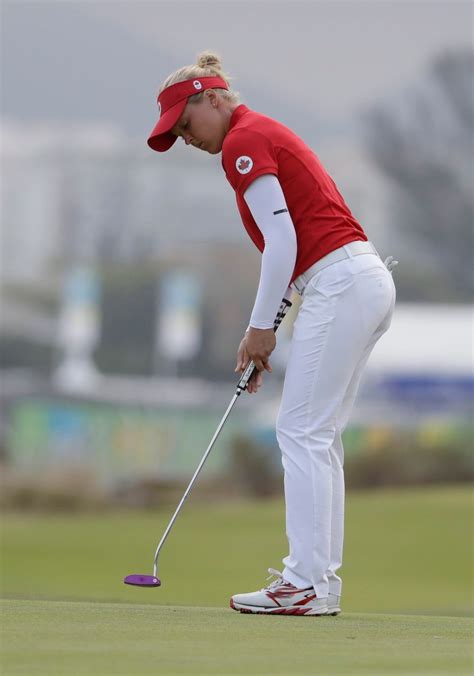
(197,84)
(244,164)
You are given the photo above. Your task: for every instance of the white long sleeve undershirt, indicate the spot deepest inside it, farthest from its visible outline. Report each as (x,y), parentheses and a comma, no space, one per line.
(264,197)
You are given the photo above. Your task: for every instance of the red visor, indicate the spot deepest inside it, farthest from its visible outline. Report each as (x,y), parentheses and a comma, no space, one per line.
(171,103)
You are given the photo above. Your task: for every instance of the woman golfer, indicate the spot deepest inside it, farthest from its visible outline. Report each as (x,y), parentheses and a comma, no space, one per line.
(310,242)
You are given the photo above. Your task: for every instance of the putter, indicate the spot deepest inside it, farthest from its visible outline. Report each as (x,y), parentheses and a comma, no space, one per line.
(153,580)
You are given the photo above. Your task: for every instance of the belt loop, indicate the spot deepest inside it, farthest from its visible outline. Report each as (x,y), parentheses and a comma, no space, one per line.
(348,251)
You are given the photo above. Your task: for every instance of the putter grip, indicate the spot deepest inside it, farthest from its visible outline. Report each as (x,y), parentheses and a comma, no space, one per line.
(247,374)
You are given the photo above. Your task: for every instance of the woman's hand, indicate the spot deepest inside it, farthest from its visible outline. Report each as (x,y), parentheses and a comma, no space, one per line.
(257,345)
(243,360)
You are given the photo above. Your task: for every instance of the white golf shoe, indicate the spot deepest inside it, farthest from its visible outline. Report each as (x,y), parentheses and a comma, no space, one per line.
(334,604)
(283,598)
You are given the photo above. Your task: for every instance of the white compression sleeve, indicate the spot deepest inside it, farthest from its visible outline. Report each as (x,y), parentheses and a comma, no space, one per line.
(267,204)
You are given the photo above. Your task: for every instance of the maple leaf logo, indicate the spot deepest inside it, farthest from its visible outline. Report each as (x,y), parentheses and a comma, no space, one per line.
(244,164)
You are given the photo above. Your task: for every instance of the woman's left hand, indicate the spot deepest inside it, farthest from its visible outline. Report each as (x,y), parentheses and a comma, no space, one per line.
(259,344)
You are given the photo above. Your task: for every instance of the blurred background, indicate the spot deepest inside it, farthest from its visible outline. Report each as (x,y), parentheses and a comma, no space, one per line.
(127,279)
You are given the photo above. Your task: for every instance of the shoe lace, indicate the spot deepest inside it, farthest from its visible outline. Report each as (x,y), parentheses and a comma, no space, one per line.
(276,583)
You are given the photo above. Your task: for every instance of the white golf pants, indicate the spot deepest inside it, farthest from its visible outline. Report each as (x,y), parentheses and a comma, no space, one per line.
(346,307)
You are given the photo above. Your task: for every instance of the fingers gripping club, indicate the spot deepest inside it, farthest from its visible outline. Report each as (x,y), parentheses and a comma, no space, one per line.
(247,374)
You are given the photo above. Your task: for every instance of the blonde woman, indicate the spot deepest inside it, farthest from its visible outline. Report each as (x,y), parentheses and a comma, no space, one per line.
(312,244)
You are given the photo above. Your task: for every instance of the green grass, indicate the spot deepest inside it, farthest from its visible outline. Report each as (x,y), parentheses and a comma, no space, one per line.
(406,598)
(44,637)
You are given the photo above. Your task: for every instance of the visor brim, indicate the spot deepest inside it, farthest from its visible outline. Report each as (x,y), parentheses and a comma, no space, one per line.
(161,138)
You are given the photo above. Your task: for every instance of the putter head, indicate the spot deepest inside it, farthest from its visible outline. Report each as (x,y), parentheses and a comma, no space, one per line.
(142,580)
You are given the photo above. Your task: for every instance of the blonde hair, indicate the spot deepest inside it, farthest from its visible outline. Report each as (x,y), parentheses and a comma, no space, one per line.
(208,64)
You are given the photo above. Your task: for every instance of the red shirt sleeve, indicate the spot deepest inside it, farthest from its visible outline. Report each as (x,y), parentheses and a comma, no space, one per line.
(246,155)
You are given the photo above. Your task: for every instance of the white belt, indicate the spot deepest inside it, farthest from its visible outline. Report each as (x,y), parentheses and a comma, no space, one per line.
(346,251)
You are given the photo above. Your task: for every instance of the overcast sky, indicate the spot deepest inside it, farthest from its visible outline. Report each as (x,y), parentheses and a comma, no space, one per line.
(304,62)
(333,54)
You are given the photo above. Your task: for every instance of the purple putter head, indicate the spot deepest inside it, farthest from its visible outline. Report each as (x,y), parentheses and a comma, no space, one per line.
(142,580)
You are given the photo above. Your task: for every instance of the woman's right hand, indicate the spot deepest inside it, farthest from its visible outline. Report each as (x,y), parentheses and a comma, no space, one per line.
(243,359)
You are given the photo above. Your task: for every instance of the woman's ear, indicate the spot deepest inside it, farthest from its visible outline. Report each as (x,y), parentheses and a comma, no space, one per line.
(212,96)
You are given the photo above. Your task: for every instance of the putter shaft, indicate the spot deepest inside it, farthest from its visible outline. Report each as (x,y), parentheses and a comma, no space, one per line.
(195,475)
(241,386)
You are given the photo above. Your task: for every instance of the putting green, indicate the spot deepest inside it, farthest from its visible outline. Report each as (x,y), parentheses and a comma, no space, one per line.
(51,637)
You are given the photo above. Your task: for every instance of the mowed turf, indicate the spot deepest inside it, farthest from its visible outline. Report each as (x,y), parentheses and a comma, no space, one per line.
(57,637)
(407,586)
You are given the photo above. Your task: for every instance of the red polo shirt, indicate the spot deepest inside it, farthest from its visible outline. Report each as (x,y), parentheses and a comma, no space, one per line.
(257,145)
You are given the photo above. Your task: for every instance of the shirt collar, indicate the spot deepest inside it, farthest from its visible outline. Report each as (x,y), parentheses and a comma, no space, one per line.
(237,114)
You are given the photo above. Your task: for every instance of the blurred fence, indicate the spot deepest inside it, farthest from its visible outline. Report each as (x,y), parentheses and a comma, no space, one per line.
(141,435)
(124,428)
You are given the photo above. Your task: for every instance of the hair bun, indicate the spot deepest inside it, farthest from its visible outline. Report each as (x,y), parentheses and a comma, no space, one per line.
(209,60)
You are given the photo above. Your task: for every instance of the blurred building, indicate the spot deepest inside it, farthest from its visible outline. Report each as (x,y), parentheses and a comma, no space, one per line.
(91,192)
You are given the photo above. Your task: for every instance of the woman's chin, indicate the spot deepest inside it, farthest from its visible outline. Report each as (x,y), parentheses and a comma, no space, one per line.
(214,149)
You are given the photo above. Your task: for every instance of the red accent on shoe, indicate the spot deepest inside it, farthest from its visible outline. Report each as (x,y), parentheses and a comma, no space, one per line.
(283,591)
(273,597)
(303,602)
(289,591)
(289,611)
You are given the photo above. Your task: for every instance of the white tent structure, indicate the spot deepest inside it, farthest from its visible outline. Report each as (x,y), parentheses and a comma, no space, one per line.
(427,339)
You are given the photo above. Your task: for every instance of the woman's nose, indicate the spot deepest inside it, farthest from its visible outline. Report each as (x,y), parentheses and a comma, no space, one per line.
(187,139)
